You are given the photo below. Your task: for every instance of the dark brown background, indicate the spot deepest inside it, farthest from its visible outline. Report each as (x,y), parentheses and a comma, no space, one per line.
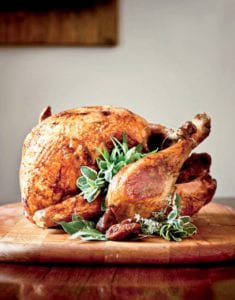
(87,23)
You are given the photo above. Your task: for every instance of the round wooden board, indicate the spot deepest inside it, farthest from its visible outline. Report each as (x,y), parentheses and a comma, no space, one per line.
(22,241)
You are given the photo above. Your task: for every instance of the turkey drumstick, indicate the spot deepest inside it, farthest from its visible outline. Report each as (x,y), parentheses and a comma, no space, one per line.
(144,186)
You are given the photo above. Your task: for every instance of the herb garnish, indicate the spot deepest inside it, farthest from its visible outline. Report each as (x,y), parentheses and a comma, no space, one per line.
(79,227)
(171,226)
(92,183)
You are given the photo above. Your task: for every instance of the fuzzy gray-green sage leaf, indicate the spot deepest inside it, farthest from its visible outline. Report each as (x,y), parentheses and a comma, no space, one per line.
(83,229)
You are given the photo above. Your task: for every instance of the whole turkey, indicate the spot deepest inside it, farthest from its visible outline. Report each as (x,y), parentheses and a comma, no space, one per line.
(60,144)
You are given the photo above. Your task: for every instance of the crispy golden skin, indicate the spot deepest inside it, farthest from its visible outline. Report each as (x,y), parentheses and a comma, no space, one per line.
(60,144)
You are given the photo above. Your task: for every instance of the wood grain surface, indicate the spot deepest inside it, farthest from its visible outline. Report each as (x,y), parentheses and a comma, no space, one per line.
(22,241)
(30,282)
(90,23)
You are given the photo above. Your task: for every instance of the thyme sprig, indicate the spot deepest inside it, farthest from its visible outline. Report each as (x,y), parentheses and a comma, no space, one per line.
(92,182)
(171,226)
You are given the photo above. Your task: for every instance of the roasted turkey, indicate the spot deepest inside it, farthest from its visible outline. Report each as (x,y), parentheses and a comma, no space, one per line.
(60,144)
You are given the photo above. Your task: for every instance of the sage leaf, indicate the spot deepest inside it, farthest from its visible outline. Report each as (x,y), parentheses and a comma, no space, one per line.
(84,229)
(89,235)
(171,226)
(88,173)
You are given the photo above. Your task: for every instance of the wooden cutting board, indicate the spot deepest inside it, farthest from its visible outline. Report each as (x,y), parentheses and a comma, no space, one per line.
(21,241)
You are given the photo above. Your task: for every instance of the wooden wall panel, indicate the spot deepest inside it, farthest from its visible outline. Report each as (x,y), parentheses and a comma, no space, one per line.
(93,24)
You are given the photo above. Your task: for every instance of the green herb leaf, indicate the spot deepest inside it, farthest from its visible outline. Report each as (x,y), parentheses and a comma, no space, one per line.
(177,200)
(79,227)
(173,214)
(103,205)
(89,235)
(170,226)
(76,224)
(88,173)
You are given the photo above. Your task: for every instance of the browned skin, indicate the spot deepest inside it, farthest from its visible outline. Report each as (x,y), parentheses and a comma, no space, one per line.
(162,137)
(64,210)
(197,165)
(144,186)
(58,146)
(195,194)
(194,184)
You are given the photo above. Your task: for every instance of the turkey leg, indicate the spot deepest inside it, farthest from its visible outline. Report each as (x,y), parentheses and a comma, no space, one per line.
(144,186)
